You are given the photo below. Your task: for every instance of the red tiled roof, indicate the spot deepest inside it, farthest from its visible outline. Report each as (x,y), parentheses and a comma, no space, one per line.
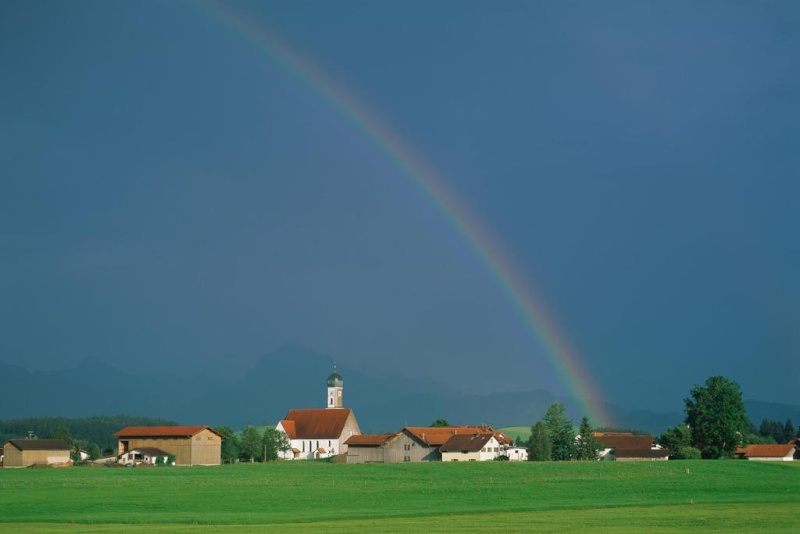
(466,442)
(438,435)
(288,427)
(322,423)
(769,451)
(162,431)
(369,440)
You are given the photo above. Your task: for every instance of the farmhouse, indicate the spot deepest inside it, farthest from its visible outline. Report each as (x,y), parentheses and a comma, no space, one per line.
(772,453)
(191,445)
(26,452)
(411,444)
(625,446)
(320,432)
(478,447)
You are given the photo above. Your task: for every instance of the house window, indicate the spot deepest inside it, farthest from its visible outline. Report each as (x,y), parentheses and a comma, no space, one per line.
(406,458)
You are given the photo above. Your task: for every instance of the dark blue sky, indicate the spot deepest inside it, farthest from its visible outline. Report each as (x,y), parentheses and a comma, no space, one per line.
(170,192)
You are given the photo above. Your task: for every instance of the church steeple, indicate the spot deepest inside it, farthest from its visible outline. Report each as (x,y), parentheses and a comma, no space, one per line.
(335,387)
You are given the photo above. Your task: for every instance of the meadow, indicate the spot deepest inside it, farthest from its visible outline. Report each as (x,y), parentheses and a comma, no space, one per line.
(730,496)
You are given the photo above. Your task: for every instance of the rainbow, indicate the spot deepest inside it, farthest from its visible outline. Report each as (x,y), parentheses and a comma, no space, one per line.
(475,234)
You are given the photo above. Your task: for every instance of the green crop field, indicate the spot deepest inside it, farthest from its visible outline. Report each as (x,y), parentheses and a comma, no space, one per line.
(729,496)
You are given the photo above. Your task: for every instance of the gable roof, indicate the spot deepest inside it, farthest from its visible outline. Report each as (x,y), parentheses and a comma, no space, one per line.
(624,441)
(289,428)
(436,436)
(40,444)
(162,431)
(322,423)
(466,442)
(369,440)
(769,451)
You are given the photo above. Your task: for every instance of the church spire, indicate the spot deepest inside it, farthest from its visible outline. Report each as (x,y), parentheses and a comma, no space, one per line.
(335,387)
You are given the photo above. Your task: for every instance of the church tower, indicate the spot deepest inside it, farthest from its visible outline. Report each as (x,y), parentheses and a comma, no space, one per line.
(335,387)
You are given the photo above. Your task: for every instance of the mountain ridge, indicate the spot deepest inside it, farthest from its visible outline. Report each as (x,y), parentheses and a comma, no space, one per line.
(293,377)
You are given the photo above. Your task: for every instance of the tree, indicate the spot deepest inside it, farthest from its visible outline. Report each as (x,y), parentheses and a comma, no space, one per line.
(94,451)
(586,447)
(251,444)
(678,441)
(716,417)
(275,442)
(788,431)
(562,435)
(230,445)
(540,448)
(440,423)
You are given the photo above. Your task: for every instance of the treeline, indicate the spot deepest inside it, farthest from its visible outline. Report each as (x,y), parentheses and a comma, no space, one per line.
(554,438)
(774,432)
(252,445)
(77,431)
(716,424)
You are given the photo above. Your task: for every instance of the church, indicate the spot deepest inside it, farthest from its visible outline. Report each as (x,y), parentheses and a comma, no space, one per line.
(320,432)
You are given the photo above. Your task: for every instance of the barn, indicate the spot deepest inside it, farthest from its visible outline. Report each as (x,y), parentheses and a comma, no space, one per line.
(27,452)
(191,445)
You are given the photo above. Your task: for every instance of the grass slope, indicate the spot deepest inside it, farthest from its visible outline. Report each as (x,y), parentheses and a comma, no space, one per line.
(487,497)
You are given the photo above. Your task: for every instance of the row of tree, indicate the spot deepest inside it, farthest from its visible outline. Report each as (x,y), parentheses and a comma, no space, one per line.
(252,445)
(554,438)
(716,424)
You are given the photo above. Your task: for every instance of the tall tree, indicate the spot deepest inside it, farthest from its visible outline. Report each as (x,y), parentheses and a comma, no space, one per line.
(586,447)
(678,441)
(251,445)
(788,431)
(230,445)
(562,435)
(716,417)
(440,423)
(540,448)
(275,442)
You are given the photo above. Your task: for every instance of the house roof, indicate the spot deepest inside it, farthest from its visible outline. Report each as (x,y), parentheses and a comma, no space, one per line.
(40,444)
(466,442)
(624,441)
(438,435)
(769,451)
(289,428)
(162,431)
(322,423)
(369,440)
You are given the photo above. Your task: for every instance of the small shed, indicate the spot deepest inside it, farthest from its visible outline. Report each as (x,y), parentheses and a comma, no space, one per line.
(772,453)
(27,452)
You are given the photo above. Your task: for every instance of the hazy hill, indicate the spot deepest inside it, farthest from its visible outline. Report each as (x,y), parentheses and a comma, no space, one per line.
(292,377)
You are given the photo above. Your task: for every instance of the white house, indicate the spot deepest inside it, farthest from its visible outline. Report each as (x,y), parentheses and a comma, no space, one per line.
(478,447)
(517,454)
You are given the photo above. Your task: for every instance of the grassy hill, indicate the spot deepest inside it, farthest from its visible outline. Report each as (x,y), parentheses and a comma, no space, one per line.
(515,432)
(483,497)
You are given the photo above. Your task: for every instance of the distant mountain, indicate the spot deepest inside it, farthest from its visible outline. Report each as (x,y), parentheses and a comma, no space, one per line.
(293,377)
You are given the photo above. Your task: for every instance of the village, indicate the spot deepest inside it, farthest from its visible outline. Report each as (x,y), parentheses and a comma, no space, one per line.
(332,433)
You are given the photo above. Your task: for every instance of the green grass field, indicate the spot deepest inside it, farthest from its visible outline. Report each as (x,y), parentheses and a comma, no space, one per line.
(730,496)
